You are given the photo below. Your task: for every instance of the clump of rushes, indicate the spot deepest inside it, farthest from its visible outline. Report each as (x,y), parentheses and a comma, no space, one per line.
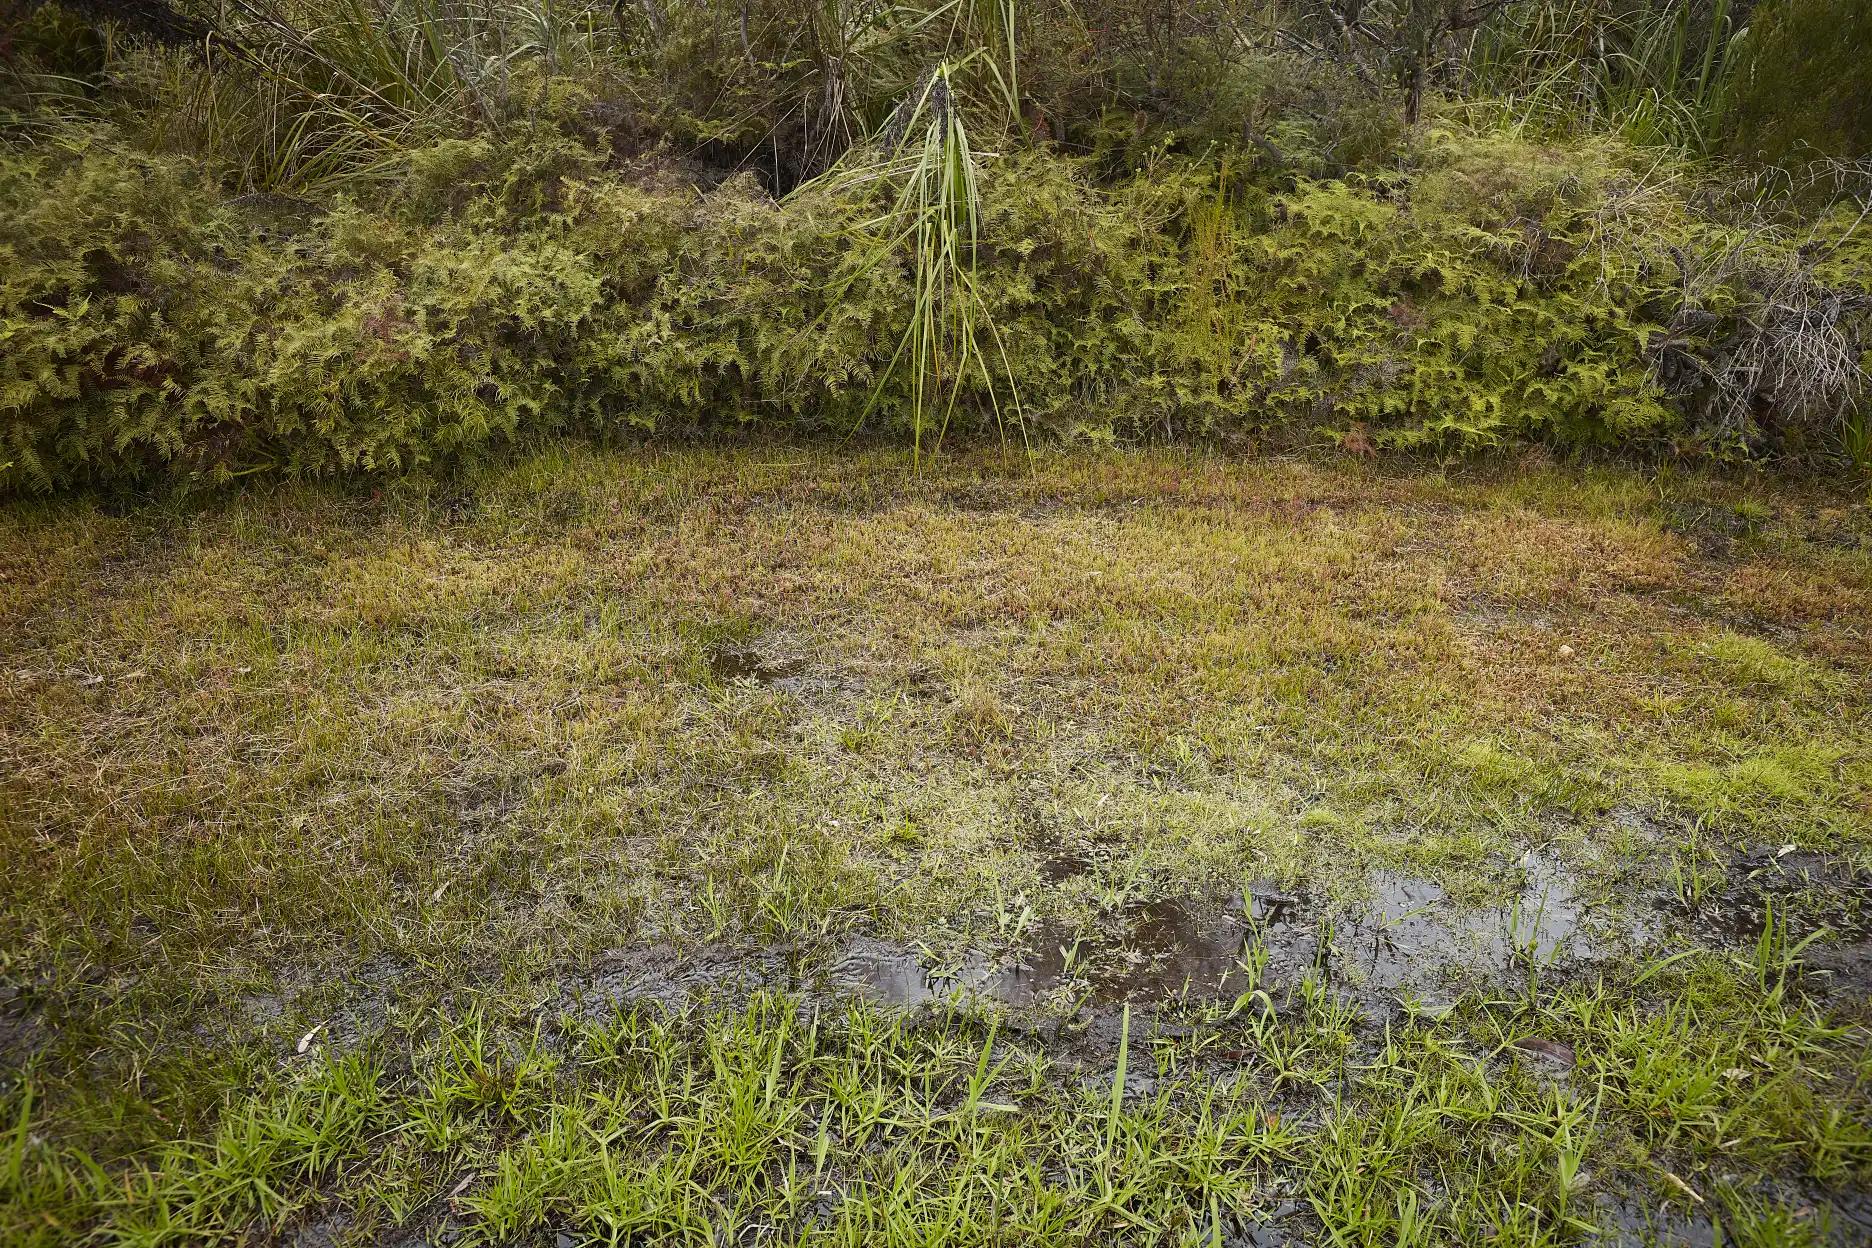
(925,182)
(1663,73)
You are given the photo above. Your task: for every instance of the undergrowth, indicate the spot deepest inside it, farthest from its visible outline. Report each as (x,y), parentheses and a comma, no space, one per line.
(376,235)
(510,288)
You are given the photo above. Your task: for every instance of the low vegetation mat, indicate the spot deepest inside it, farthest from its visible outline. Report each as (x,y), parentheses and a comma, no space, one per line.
(772,846)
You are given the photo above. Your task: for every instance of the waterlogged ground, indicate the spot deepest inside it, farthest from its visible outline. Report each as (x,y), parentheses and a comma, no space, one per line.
(767,847)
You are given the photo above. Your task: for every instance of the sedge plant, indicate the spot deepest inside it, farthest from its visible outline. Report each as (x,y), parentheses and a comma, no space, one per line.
(928,197)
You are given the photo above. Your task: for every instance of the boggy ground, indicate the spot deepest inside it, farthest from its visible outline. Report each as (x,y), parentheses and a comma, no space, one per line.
(774,847)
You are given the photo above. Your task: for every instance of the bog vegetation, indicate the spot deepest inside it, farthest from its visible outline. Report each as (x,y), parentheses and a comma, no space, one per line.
(438,806)
(509,860)
(324,236)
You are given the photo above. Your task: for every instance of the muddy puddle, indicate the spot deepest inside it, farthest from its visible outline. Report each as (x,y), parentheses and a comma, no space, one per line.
(1804,895)
(776,667)
(897,976)
(1626,1222)
(1411,936)
(765,665)
(674,978)
(1406,939)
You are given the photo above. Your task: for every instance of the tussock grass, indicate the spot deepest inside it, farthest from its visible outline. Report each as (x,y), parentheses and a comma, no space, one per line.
(453,785)
(1662,73)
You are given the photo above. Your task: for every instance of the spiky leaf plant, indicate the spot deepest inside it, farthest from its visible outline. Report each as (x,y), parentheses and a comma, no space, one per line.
(921,175)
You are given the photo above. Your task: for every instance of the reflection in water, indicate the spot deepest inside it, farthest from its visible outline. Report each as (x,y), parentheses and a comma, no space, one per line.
(1408,937)
(896,977)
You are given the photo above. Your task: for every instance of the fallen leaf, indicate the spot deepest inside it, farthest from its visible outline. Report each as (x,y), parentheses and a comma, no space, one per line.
(440,889)
(1562,1053)
(305,1041)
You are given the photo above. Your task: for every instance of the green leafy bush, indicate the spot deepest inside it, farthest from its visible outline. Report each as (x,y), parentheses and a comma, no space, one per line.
(507,289)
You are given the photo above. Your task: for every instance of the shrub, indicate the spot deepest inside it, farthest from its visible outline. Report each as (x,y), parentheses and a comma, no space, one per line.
(510,289)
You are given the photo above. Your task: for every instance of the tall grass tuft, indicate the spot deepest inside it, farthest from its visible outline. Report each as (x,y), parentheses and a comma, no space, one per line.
(924,181)
(1660,71)
(324,94)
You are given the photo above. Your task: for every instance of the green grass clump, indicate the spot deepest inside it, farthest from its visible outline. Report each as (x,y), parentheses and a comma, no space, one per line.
(845,1125)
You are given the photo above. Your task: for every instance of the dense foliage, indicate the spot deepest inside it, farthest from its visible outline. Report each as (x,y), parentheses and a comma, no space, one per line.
(307,246)
(1806,83)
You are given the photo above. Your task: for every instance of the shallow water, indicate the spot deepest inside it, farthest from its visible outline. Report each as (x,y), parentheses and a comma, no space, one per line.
(1407,937)
(898,977)
(1411,936)
(1806,892)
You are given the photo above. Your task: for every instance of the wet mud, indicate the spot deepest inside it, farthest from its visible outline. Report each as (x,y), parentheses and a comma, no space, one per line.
(1629,1221)
(663,975)
(1402,944)
(1406,941)
(763,664)
(1804,895)
(774,664)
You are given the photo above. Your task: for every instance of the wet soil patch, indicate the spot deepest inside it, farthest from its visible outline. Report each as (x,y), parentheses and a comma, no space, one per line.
(761,664)
(775,666)
(1167,949)
(1406,940)
(1411,937)
(1067,864)
(23,1029)
(1634,1219)
(896,976)
(674,979)
(1805,894)
(1058,858)
(1716,531)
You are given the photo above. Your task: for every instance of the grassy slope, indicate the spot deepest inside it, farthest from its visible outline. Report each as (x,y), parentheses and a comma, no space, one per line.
(410,765)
